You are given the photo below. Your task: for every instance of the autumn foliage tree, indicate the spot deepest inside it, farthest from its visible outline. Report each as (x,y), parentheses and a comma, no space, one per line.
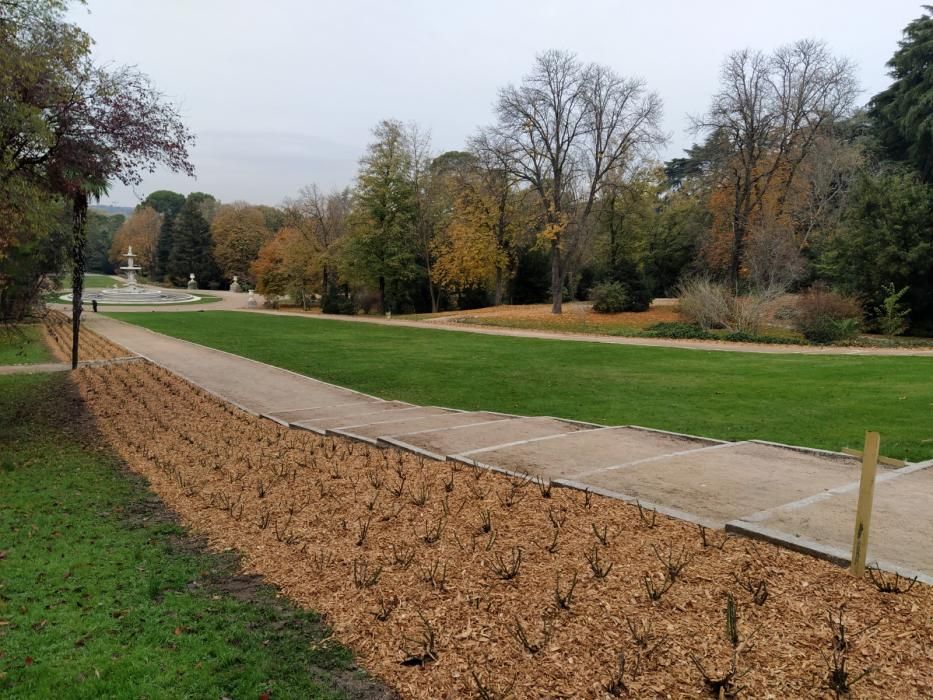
(486,227)
(289,264)
(763,128)
(323,219)
(141,231)
(238,231)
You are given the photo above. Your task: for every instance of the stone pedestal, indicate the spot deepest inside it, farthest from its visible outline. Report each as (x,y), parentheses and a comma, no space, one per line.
(235,285)
(251,300)
(191,282)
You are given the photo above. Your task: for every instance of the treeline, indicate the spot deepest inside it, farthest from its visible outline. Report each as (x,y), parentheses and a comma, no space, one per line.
(791,185)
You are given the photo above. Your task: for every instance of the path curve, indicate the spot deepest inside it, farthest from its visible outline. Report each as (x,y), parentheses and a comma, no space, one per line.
(712,345)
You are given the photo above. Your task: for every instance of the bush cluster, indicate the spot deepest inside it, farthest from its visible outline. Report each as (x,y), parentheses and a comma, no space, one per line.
(609,298)
(823,316)
(710,304)
(678,330)
(334,302)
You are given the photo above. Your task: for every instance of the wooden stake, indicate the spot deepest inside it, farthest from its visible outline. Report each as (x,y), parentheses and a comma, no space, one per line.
(866,494)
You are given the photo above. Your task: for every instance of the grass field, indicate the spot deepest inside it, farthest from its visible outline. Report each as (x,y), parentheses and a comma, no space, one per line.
(92,280)
(23,346)
(816,401)
(102,594)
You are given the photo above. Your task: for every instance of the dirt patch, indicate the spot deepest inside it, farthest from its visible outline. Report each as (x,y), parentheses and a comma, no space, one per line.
(454,582)
(575,316)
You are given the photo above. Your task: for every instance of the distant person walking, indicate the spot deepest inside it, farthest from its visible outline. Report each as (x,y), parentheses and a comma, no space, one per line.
(94,305)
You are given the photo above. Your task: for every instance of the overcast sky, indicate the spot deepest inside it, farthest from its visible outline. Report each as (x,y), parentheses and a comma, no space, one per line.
(284,93)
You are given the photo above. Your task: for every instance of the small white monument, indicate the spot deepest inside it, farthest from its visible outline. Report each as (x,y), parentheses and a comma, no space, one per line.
(251,300)
(235,286)
(191,283)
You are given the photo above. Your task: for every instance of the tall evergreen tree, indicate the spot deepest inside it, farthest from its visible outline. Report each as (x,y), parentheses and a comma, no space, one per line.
(100,232)
(191,243)
(887,238)
(168,204)
(903,113)
(382,249)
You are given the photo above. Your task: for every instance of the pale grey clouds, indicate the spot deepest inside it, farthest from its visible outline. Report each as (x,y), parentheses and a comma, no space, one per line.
(284,93)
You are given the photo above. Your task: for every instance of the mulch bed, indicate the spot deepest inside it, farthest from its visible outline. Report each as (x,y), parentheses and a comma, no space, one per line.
(574,315)
(92,346)
(453,582)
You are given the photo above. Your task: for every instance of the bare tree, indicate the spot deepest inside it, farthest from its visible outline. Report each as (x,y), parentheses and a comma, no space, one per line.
(419,145)
(765,121)
(563,131)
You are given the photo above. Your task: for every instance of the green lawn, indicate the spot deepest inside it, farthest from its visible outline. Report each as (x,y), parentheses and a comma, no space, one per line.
(92,280)
(103,595)
(23,346)
(817,401)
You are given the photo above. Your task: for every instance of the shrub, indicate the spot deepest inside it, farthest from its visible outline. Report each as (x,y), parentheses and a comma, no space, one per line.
(333,302)
(704,302)
(609,298)
(741,337)
(892,315)
(677,330)
(637,293)
(712,305)
(825,317)
(367,300)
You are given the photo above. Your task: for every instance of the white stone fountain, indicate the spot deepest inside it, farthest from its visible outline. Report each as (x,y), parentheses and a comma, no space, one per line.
(131,292)
(130,269)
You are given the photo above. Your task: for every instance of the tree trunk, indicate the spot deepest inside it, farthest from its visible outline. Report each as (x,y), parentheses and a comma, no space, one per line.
(739,226)
(382,294)
(497,299)
(735,262)
(557,288)
(78,244)
(434,294)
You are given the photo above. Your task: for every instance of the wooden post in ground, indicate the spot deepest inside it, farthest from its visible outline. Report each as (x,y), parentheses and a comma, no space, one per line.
(866,494)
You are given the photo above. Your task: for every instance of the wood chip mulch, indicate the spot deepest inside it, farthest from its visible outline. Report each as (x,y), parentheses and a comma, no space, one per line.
(453,582)
(92,346)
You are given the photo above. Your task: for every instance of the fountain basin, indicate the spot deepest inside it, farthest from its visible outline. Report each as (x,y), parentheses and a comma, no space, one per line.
(134,294)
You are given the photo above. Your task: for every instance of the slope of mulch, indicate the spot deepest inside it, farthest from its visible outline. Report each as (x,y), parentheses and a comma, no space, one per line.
(91,347)
(393,549)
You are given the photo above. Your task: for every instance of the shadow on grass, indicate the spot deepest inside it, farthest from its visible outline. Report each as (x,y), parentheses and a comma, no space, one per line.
(105,594)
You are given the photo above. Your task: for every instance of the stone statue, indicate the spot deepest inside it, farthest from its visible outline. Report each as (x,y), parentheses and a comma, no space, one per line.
(251,300)
(191,283)
(235,286)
